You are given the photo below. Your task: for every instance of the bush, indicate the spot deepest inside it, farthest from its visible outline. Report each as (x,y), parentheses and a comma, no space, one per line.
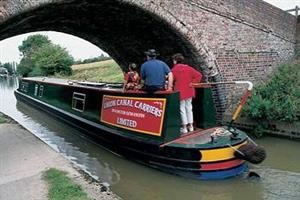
(279,98)
(36,71)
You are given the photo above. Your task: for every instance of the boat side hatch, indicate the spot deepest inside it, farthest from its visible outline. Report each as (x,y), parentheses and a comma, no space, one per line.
(78,101)
(36,88)
(24,87)
(41,91)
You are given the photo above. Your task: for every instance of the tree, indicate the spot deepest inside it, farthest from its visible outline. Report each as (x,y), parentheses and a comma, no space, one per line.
(42,58)
(25,67)
(51,59)
(3,71)
(33,43)
(9,68)
(29,46)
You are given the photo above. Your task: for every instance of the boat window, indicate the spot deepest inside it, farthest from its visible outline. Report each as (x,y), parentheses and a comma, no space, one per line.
(41,91)
(24,87)
(78,101)
(36,89)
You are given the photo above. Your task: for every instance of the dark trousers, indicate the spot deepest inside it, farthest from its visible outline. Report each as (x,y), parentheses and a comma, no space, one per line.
(152,88)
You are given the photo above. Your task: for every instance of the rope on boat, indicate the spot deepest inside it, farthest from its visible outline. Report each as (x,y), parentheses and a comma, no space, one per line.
(235,149)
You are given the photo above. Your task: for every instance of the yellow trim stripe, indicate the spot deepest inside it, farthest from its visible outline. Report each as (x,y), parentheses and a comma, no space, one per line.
(213,155)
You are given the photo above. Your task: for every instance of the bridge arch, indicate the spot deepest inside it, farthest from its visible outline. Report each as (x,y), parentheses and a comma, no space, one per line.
(124,29)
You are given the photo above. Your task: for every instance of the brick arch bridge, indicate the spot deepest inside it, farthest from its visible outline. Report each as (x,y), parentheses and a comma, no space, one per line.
(238,39)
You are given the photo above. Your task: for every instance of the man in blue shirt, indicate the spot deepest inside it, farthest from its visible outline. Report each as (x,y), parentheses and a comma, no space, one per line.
(154,72)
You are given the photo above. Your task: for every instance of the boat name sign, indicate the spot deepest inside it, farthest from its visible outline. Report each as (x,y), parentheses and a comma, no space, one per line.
(143,115)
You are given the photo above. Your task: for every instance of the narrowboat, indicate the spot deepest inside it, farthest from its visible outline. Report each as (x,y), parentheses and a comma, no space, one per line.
(146,127)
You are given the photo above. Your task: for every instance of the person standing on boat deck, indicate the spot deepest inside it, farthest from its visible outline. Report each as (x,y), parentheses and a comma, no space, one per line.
(184,75)
(153,73)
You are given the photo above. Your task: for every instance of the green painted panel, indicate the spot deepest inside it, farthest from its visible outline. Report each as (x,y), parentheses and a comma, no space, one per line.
(204,109)
(172,117)
(61,97)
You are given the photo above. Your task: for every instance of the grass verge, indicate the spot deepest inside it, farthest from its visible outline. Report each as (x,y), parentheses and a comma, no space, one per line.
(3,119)
(62,187)
(104,71)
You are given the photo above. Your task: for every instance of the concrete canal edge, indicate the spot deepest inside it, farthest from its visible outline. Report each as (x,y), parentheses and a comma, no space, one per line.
(24,158)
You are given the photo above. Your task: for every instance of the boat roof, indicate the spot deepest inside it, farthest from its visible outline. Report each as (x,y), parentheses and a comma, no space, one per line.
(68,82)
(101,86)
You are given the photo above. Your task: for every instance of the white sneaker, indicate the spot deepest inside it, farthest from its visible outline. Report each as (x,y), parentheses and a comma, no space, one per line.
(190,128)
(183,130)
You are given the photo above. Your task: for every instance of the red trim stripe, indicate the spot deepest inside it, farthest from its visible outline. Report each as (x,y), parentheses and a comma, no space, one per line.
(221,165)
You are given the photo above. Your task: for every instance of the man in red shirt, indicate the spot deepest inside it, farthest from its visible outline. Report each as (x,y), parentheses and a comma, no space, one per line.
(184,75)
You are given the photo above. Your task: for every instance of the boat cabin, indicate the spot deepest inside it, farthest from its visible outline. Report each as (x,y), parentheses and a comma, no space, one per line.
(155,117)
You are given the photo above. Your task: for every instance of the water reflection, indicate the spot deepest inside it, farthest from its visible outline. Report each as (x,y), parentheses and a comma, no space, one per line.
(8,83)
(280,173)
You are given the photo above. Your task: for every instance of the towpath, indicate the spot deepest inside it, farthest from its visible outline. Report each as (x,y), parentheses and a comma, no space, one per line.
(23,159)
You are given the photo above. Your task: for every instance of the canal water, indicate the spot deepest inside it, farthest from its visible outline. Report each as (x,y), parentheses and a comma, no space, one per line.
(280,173)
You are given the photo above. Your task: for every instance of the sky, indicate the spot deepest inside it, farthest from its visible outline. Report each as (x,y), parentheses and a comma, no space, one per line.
(77,47)
(284,4)
(82,49)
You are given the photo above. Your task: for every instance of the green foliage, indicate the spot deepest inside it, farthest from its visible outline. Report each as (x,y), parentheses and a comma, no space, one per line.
(2,119)
(42,58)
(279,98)
(3,70)
(9,68)
(37,71)
(25,66)
(92,60)
(62,187)
(33,43)
(51,59)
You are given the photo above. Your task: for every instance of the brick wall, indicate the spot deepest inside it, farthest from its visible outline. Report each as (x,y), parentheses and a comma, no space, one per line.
(255,12)
(247,65)
(3,12)
(248,38)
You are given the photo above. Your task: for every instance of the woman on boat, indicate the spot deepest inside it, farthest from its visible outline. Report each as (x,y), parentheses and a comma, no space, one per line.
(132,78)
(184,75)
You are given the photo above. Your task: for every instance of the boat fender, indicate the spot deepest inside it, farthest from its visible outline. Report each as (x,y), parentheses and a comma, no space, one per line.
(251,152)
